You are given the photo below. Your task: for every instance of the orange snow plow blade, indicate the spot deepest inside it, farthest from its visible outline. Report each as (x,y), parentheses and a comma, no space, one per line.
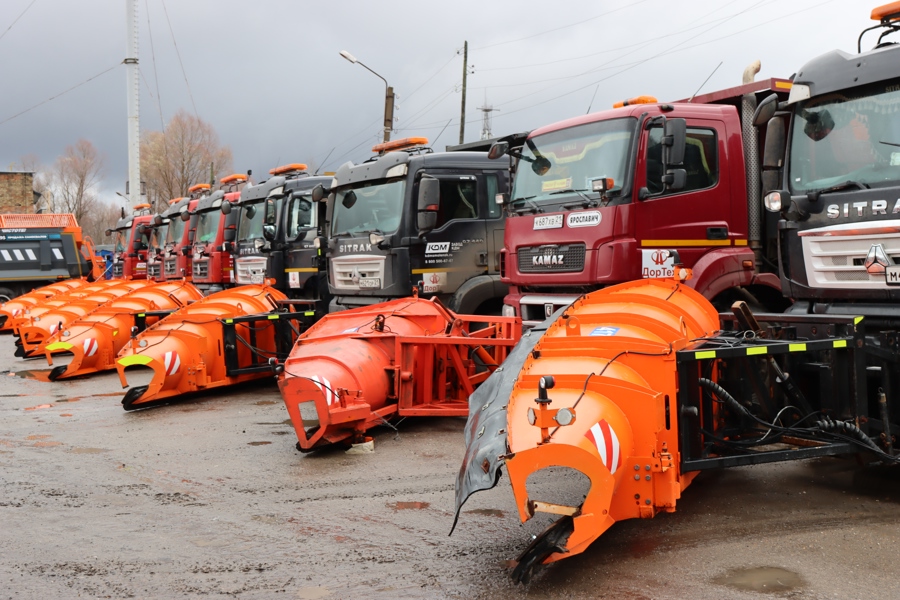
(91,343)
(9,311)
(596,393)
(185,352)
(55,314)
(356,369)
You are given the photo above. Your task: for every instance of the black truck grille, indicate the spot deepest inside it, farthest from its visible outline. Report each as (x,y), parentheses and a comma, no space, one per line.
(551,259)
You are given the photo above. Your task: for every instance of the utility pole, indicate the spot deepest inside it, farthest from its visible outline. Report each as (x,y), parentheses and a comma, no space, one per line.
(462,111)
(133,88)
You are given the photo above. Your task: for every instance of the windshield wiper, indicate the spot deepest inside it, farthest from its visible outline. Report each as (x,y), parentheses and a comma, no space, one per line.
(532,207)
(814,194)
(586,203)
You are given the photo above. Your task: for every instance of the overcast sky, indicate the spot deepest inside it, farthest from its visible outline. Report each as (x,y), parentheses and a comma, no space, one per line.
(268,77)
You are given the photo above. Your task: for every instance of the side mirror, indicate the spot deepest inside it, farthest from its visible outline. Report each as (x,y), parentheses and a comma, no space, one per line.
(765,110)
(225,208)
(540,166)
(157,220)
(675,179)
(108,232)
(250,210)
(426,220)
(137,244)
(773,155)
(268,232)
(229,234)
(429,193)
(319,193)
(674,141)
(186,250)
(349,199)
(184,213)
(227,247)
(270,214)
(498,149)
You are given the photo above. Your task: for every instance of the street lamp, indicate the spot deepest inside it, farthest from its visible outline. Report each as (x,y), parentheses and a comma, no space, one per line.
(388,96)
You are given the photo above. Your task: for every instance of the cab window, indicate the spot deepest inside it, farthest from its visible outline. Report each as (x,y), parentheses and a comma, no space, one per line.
(493,188)
(700,160)
(300,215)
(459,199)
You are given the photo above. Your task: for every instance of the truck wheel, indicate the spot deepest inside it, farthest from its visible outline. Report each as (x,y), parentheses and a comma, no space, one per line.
(7,294)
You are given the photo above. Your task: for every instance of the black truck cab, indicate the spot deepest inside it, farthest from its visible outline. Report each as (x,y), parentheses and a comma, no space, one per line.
(413,218)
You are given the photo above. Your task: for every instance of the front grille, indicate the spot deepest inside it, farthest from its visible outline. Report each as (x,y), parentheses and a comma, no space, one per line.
(552,259)
(171,267)
(154,270)
(347,273)
(118,269)
(837,261)
(201,269)
(245,268)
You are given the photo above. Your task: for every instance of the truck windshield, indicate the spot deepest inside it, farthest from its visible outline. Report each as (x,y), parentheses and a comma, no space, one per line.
(251,225)
(847,138)
(568,160)
(367,208)
(175,231)
(207,225)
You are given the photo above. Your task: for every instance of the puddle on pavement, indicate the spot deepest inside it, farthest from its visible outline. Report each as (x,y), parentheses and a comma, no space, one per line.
(487,512)
(36,374)
(258,443)
(409,505)
(269,519)
(265,403)
(769,580)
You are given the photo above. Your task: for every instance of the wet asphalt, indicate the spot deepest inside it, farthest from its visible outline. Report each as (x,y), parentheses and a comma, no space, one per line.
(208,498)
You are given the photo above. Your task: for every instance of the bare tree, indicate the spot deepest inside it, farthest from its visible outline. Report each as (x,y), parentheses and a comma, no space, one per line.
(73,180)
(187,152)
(102,217)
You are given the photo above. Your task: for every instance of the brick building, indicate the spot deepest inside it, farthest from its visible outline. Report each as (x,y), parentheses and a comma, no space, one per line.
(17,193)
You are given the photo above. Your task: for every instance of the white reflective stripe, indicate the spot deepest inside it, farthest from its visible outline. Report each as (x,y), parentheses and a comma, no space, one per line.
(599,441)
(6,255)
(30,254)
(614,461)
(329,393)
(18,254)
(57,253)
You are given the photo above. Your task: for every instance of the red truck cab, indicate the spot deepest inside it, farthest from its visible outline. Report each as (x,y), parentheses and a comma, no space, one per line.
(604,198)
(132,243)
(212,265)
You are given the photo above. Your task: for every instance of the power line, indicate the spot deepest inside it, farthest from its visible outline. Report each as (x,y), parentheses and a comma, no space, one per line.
(19,114)
(581,22)
(17,19)
(178,53)
(155,75)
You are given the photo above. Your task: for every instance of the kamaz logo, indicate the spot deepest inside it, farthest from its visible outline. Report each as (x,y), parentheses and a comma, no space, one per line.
(548,260)
(355,247)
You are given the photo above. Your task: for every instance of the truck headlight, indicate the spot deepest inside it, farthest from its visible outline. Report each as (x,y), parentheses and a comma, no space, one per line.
(774,201)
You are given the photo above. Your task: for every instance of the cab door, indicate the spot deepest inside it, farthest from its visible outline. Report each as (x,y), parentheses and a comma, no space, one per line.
(456,249)
(300,229)
(691,220)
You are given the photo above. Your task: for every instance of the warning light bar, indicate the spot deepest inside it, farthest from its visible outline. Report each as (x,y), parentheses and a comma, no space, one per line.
(175,201)
(400,144)
(636,100)
(198,187)
(236,178)
(283,169)
(141,206)
(887,12)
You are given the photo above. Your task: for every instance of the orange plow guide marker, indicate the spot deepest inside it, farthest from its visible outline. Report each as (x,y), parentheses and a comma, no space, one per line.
(184,352)
(55,314)
(358,368)
(16,307)
(594,395)
(93,342)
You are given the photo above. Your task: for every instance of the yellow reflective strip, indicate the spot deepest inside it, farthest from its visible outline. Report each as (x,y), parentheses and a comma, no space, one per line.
(142,315)
(857,320)
(229,321)
(786,85)
(797,348)
(840,343)
(740,242)
(302,270)
(757,350)
(134,359)
(705,354)
(58,346)
(273,317)
(684,243)
(309,313)
(115,332)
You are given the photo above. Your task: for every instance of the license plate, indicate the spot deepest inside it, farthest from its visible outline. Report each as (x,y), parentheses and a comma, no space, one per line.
(370,282)
(548,222)
(892,275)
(256,278)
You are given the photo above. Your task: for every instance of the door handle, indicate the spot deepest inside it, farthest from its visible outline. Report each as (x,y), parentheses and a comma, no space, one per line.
(717,233)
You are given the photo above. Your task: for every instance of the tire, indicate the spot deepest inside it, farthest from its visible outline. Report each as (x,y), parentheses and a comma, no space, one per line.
(6,294)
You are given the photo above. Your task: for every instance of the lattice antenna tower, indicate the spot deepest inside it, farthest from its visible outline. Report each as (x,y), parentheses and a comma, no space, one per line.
(487,109)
